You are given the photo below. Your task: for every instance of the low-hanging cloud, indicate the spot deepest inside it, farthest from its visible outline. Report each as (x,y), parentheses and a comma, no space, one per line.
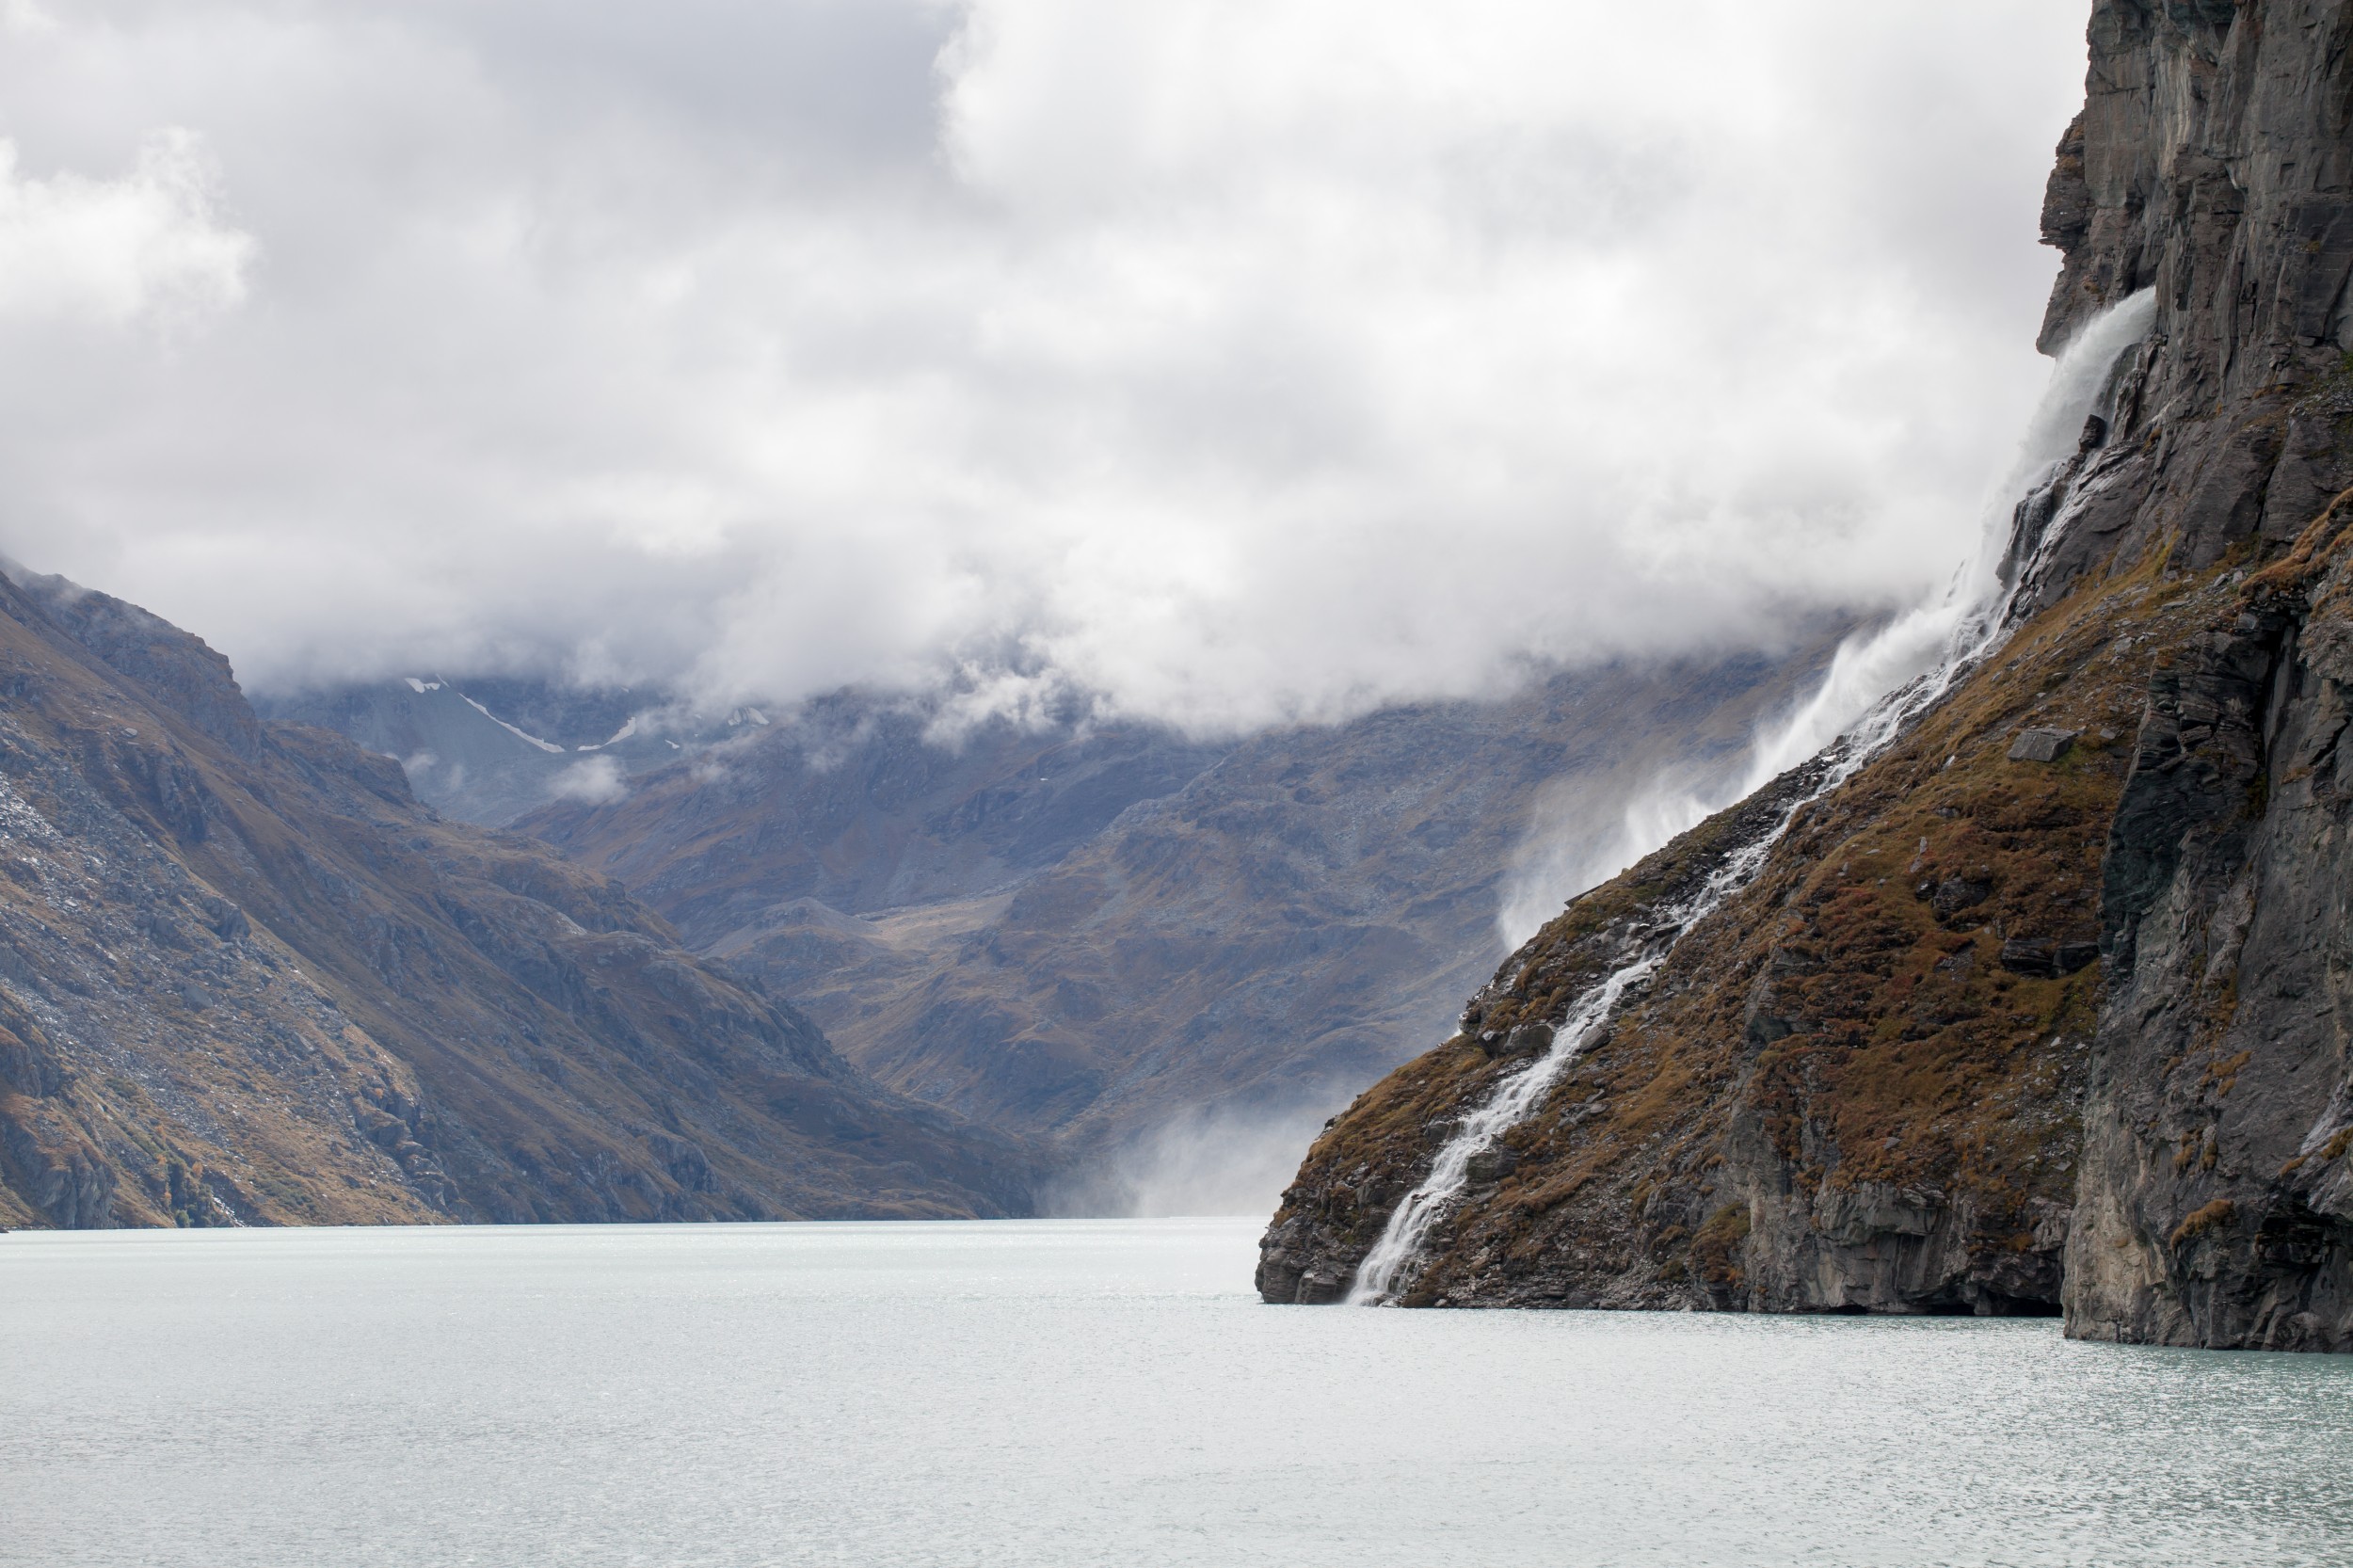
(597,781)
(1232,362)
(145,244)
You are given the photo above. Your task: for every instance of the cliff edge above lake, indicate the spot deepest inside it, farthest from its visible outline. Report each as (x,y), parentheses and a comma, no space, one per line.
(2046,1008)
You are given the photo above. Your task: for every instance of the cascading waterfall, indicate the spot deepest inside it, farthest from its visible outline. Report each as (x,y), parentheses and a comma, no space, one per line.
(1875,687)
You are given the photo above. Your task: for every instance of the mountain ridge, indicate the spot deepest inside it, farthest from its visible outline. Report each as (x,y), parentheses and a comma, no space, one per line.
(244,978)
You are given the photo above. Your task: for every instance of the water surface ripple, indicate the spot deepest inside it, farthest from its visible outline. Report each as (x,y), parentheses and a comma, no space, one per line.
(1073,1392)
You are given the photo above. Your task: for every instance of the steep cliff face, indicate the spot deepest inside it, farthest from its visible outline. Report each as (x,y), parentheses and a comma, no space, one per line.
(246,979)
(1887,1076)
(2216,1207)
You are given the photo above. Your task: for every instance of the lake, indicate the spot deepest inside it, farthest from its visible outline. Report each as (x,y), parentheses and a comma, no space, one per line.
(1072,1392)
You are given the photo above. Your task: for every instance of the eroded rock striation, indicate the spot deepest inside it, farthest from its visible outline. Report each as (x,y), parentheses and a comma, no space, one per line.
(2046,1008)
(244,978)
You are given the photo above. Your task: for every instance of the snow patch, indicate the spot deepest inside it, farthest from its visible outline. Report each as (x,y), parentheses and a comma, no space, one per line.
(617,737)
(518,734)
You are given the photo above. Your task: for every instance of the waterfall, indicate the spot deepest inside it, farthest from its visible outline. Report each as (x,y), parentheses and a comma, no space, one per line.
(1936,641)
(1877,685)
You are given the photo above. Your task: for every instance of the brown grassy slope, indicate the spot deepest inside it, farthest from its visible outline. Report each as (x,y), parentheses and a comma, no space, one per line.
(1834,1093)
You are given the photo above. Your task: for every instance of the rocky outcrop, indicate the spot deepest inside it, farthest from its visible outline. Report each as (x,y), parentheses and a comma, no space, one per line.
(2216,1206)
(2218,1202)
(1886,1077)
(246,979)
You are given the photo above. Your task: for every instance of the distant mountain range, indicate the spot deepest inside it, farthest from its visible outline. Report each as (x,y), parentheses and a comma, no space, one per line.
(1166,959)
(487,750)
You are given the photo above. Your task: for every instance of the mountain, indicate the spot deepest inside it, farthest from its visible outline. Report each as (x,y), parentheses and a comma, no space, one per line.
(866,804)
(2043,1008)
(245,978)
(1170,959)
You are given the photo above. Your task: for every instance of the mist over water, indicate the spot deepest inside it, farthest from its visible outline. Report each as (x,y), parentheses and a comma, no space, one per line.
(1233,1159)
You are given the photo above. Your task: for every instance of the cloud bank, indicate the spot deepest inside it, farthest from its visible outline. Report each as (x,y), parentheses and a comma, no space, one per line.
(1235,361)
(144,246)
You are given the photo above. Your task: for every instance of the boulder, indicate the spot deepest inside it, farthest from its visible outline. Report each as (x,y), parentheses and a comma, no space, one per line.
(1492,1164)
(2040,745)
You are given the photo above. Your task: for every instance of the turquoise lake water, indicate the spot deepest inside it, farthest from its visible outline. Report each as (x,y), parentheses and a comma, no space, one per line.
(1072,1392)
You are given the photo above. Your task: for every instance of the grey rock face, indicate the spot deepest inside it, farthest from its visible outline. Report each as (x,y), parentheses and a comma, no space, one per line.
(2218,1202)
(2040,745)
(2217,165)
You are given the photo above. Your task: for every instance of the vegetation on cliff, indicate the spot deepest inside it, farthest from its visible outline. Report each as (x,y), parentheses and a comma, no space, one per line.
(1874,1051)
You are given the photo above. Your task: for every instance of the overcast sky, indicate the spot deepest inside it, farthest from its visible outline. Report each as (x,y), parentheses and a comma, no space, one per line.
(1237,360)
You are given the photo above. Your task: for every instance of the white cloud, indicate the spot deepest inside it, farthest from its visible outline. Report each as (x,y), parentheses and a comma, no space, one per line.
(1236,361)
(595,780)
(27,19)
(147,244)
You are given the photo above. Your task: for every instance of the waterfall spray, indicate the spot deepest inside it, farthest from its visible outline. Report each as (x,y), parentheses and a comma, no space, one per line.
(1937,640)
(1875,687)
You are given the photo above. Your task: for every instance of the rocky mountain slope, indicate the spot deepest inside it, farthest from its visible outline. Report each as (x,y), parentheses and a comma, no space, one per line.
(1166,958)
(244,978)
(2045,1008)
